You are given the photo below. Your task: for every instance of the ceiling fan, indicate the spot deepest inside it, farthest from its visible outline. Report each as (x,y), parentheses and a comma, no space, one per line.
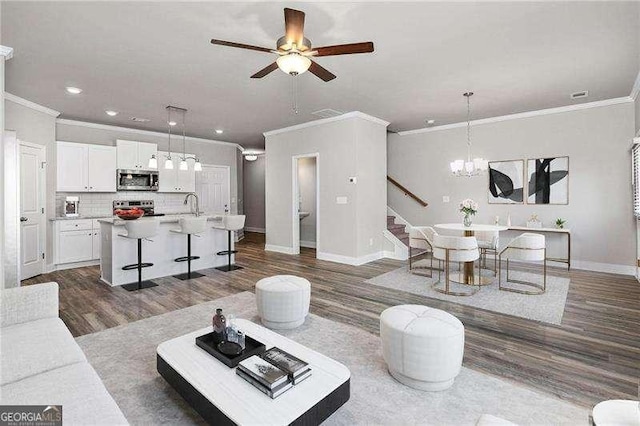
(294,50)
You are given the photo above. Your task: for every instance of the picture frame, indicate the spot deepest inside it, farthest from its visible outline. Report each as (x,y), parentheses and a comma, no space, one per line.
(506,182)
(548,181)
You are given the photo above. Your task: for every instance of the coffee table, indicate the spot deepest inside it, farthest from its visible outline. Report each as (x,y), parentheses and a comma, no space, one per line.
(220,396)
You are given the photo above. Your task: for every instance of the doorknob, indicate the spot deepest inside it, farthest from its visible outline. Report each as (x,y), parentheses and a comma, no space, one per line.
(23,219)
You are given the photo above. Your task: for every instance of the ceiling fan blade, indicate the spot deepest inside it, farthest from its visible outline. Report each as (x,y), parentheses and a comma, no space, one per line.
(344,49)
(240,45)
(266,70)
(294,26)
(321,72)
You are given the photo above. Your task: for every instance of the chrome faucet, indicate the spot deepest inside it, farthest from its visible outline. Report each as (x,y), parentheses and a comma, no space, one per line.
(186,200)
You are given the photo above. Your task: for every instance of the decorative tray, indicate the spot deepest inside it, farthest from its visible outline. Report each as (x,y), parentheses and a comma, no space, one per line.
(252,347)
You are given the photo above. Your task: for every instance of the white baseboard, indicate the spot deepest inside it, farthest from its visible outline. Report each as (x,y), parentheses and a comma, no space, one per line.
(63,266)
(308,244)
(611,268)
(278,249)
(348,260)
(259,230)
(400,250)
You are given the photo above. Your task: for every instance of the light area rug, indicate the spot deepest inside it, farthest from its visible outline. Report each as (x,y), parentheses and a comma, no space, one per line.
(125,359)
(547,307)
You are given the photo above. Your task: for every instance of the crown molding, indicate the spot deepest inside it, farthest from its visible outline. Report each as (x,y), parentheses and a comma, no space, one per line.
(528,114)
(110,127)
(635,90)
(31,105)
(345,116)
(7,52)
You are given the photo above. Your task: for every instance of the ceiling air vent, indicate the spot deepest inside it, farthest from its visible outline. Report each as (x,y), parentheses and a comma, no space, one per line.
(579,95)
(327,112)
(140,120)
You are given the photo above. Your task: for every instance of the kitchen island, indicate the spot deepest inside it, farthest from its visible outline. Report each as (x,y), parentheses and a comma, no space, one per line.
(118,251)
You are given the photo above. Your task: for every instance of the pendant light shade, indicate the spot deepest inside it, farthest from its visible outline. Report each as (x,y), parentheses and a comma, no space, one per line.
(168,164)
(197,166)
(153,162)
(184,165)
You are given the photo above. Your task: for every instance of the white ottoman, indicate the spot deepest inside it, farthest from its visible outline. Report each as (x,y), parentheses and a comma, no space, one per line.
(283,301)
(423,347)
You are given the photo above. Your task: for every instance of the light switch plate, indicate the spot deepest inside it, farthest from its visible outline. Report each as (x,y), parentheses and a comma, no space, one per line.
(353,180)
(445,198)
(341,200)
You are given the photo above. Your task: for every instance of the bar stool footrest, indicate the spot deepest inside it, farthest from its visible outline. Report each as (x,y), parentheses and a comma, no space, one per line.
(135,266)
(226,252)
(135,286)
(227,268)
(185,258)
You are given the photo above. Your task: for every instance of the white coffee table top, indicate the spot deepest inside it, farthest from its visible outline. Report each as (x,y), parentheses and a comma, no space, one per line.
(474,227)
(239,400)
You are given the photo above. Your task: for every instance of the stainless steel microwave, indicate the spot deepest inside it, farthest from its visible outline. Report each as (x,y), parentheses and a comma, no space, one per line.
(137,180)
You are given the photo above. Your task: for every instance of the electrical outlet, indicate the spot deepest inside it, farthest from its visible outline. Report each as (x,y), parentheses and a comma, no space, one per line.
(341,200)
(353,180)
(445,199)
(370,241)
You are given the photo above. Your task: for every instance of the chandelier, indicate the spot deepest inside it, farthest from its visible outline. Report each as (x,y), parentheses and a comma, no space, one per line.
(470,167)
(168,164)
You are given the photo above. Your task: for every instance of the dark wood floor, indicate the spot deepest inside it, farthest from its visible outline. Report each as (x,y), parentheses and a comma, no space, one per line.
(593,355)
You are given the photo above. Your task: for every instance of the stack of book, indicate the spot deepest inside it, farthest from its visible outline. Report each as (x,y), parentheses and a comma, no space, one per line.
(274,372)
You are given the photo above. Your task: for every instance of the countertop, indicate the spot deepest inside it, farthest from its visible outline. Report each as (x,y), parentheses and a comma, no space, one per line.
(110,217)
(169,218)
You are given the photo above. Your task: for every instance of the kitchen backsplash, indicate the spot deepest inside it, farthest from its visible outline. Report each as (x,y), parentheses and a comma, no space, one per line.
(93,204)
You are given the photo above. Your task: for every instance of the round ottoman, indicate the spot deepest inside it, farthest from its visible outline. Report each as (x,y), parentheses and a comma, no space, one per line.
(283,301)
(422,347)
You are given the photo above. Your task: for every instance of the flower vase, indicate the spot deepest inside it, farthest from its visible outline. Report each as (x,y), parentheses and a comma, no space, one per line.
(467,220)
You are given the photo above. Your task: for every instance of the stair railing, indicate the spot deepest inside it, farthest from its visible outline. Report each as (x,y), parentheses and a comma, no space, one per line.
(407,192)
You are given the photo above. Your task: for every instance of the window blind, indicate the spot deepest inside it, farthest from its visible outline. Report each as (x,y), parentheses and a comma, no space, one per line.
(635,159)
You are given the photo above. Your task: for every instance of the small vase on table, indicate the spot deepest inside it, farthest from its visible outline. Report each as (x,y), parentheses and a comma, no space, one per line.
(467,220)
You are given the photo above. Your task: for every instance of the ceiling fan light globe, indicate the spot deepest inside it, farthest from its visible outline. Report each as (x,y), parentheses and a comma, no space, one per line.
(293,63)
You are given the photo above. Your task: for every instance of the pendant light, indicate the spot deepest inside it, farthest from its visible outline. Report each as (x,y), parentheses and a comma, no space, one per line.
(470,167)
(153,162)
(183,162)
(168,163)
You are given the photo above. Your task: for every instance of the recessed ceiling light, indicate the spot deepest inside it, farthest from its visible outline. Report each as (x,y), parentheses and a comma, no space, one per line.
(219,131)
(431,121)
(111,113)
(172,123)
(73,90)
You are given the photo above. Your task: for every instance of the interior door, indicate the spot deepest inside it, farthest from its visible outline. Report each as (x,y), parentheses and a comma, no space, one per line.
(212,187)
(102,168)
(32,217)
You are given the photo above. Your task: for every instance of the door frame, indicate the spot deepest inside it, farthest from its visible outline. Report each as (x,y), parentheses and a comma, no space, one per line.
(228,181)
(295,243)
(43,201)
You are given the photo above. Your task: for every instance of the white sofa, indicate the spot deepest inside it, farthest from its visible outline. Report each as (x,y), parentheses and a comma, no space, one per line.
(41,364)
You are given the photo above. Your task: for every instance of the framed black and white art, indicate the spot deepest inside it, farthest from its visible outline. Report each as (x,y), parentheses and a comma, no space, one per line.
(506,182)
(548,180)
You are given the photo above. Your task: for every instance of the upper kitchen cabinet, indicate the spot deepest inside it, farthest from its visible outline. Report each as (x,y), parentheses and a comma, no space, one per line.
(85,168)
(135,155)
(175,180)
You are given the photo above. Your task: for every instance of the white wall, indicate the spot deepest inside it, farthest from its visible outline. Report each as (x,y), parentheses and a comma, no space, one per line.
(38,128)
(307,190)
(340,143)
(637,109)
(597,141)
(253,180)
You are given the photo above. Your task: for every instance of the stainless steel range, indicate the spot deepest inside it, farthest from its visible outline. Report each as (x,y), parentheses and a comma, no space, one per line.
(146,205)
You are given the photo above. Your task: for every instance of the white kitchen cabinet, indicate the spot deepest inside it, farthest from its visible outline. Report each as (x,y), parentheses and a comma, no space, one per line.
(77,240)
(85,168)
(175,180)
(72,167)
(101,172)
(134,155)
(75,246)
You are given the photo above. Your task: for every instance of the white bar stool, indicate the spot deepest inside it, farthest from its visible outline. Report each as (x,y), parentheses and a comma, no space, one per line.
(189,226)
(231,223)
(140,229)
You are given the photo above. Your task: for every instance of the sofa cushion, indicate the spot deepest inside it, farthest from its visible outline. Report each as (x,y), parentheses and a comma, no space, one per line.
(35,347)
(77,387)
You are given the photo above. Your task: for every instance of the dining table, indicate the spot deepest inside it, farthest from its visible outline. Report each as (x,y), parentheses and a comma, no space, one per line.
(468,276)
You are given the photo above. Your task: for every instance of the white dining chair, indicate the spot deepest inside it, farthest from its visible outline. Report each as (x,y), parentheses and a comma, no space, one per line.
(454,249)
(488,242)
(421,240)
(527,247)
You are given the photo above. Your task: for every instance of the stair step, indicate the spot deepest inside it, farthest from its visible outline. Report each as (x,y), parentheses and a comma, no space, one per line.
(391,220)
(394,229)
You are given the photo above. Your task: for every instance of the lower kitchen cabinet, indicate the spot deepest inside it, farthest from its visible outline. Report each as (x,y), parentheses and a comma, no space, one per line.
(77,240)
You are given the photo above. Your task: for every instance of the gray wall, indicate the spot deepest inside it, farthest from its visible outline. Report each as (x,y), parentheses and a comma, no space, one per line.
(339,149)
(307,190)
(39,128)
(253,180)
(637,106)
(209,153)
(597,141)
